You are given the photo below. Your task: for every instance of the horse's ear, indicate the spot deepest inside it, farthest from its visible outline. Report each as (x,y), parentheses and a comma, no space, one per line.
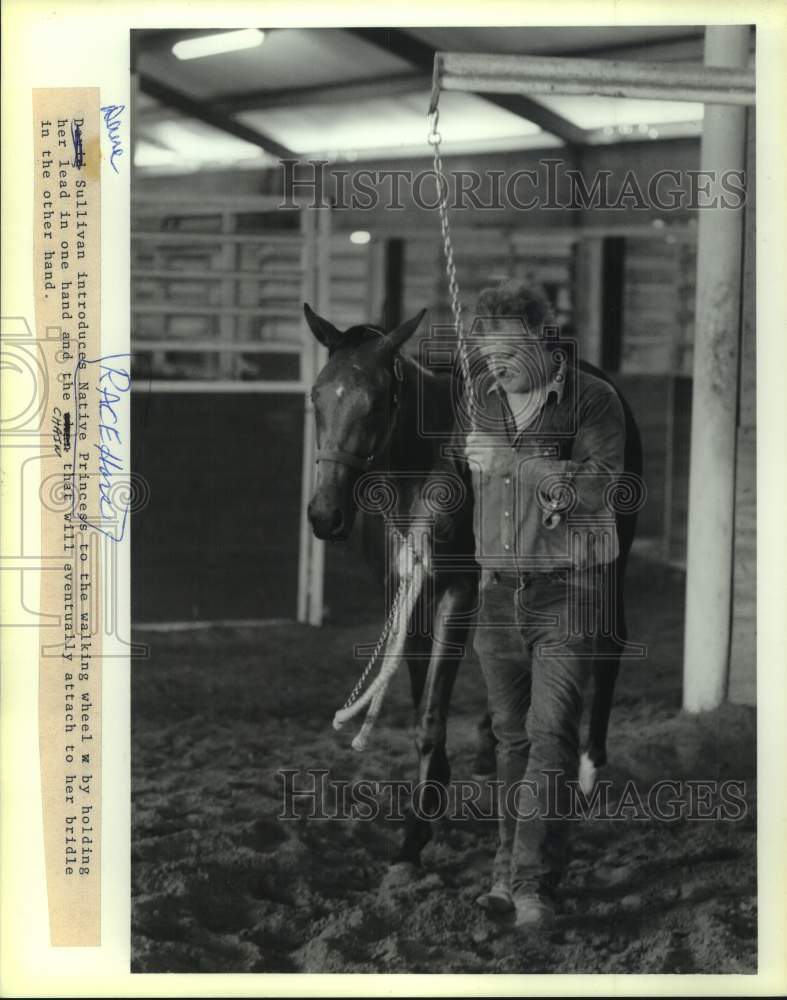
(325,332)
(401,334)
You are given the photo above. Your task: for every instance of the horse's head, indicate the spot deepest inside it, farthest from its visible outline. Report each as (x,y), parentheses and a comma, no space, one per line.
(356,401)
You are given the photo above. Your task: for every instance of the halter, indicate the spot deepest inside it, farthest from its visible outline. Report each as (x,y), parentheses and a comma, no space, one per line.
(356,461)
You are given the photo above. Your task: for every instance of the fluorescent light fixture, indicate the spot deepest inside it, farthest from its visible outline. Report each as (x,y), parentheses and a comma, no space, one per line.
(596,112)
(211,45)
(147,154)
(389,126)
(360,236)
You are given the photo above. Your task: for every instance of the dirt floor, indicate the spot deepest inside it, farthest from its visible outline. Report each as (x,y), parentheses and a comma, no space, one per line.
(221,884)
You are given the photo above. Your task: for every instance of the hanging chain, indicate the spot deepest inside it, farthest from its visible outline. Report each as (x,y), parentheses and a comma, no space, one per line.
(434,139)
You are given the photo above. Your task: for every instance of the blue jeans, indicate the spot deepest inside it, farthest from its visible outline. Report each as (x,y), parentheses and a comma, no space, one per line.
(535,639)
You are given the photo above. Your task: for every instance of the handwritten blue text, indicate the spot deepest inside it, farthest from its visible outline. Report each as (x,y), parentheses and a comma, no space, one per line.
(111,113)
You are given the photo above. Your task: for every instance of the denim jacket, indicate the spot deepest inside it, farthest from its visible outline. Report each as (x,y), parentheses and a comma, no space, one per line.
(542,496)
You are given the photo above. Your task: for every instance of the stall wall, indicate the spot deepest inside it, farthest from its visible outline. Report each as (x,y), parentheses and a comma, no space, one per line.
(218,539)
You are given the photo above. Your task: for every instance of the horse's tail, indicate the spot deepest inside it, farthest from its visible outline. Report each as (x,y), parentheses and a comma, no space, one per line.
(633,465)
(626,522)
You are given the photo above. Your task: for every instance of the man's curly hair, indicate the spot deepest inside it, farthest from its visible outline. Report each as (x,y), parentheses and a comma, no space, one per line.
(516,300)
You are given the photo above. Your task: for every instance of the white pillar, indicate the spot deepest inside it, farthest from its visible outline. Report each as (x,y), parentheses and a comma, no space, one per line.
(714,400)
(315,263)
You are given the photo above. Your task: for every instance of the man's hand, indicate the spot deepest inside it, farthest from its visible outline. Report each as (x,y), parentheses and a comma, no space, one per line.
(554,500)
(409,555)
(486,451)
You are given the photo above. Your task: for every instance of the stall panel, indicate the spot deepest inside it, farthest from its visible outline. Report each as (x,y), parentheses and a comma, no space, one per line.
(219,537)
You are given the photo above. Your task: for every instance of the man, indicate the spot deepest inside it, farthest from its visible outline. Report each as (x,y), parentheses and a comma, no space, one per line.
(546,445)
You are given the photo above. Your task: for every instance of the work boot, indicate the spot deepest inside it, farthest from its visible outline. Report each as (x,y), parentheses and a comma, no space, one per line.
(534,910)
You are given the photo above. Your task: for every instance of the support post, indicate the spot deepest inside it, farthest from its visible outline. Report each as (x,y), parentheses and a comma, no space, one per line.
(589,262)
(323,299)
(315,227)
(714,399)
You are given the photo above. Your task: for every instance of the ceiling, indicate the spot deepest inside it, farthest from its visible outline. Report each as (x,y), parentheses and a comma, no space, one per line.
(356,94)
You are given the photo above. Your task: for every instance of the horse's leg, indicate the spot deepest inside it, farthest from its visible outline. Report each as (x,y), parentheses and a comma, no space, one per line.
(416,833)
(606,665)
(417,649)
(456,597)
(485,763)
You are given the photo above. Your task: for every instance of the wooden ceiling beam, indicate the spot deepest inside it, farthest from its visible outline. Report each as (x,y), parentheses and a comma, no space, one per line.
(345,92)
(200,110)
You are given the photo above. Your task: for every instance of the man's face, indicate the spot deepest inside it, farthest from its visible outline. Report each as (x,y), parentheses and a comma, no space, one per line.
(519,363)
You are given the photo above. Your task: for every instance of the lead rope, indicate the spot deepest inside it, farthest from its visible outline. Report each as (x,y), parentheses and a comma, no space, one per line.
(402,608)
(409,589)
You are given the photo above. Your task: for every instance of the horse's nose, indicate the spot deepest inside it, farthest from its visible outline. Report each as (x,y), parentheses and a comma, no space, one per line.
(326,524)
(337,524)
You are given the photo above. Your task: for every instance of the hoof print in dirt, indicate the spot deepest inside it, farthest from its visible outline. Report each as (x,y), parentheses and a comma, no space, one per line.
(407,878)
(402,875)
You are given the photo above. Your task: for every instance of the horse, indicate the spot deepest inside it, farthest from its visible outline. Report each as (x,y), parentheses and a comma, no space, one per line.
(368,401)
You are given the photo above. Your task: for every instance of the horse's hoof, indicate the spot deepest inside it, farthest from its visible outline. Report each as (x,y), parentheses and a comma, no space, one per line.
(588,772)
